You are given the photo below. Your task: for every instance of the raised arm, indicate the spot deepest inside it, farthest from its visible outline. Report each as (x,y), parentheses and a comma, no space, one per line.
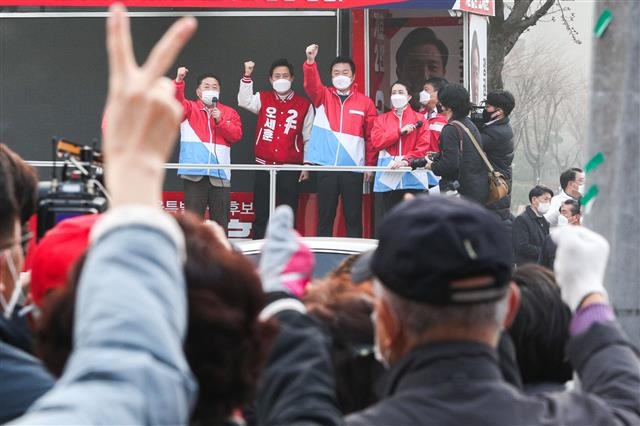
(179,83)
(246,98)
(128,365)
(312,82)
(605,360)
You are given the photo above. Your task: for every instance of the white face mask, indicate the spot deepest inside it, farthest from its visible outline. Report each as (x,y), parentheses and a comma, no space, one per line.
(543,207)
(341,82)
(9,305)
(281,85)
(425,97)
(399,101)
(581,189)
(562,220)
(209,95)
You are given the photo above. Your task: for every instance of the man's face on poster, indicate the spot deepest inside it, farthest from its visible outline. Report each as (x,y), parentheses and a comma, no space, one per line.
(421,63)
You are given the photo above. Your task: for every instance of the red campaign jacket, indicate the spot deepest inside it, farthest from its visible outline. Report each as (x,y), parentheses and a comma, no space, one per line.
(386,135)
(355,117)
(279,129)
(434,127)
(226,132)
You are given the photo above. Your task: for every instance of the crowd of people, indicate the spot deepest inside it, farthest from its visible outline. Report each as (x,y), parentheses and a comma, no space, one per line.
(338,126)
(157,319)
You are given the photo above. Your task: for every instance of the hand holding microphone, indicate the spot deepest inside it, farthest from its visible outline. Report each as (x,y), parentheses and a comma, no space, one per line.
(408,128)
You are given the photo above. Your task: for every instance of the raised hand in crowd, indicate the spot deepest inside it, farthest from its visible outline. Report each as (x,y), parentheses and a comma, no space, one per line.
(142,124)
(581,261)
(181,74)
(248,68)
(131,313)
(311,51)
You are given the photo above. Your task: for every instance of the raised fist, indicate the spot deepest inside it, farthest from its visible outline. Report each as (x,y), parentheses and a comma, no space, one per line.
(248,67)
(311,51)
(182,72)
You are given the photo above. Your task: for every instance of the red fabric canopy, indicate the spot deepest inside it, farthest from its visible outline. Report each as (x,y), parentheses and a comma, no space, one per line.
(217,4)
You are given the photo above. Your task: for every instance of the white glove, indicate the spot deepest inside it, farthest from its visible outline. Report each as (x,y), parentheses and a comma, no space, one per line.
(581,260)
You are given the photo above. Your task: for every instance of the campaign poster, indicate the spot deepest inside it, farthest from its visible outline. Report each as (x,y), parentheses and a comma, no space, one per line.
(477,58)
(407,45)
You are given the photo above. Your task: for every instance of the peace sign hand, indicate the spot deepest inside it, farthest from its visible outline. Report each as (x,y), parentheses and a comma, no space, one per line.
(143,114)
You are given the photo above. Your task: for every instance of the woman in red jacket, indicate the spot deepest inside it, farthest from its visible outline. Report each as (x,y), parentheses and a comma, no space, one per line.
(400,136)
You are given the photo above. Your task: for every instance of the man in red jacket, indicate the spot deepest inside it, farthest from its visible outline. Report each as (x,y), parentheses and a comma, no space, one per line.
(207,132)
(340,137)
(283,129)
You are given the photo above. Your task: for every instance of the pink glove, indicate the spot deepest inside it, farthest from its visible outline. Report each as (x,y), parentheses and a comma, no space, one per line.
(286,263)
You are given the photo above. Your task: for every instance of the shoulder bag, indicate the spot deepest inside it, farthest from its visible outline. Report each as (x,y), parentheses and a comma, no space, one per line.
(498,184)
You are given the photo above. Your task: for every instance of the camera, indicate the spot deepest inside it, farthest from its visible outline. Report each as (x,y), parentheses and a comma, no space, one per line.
(451,189)
(476,115)
(77,190)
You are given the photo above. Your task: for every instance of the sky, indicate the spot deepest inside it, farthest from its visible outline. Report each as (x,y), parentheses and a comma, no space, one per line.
(548,32)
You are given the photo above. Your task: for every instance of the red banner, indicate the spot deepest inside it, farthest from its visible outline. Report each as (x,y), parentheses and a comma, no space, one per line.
(214,4)
(479,7)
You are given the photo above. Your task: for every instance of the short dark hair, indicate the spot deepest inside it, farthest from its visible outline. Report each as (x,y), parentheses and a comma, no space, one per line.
(502,99)
(8,206)
(25,182)
(568,176)
(208,75)
(539,190)
(575,206)
(420,36)
(343,60)
(282,62)
(455,97)
(404,83)
(438,83)
(540,329)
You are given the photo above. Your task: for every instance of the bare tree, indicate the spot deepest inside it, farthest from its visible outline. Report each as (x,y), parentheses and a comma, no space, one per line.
(505,30)
(545,90)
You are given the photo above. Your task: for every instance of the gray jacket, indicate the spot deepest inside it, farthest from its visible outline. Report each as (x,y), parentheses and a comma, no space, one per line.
(128,365)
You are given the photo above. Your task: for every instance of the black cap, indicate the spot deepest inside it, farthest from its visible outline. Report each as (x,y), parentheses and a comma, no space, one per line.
(361,268)
(502,99)
(428,243)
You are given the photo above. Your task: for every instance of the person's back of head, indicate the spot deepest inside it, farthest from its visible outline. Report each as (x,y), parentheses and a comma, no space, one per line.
(540,329)
(345,311)
(456,98)
(459,288)
(25,181)
(8,205)
(226,344)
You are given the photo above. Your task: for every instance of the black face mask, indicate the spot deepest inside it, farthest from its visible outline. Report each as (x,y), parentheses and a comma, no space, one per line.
(486,116)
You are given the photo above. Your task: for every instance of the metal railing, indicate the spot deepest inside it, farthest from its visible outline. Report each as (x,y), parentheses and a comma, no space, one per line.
(272,168)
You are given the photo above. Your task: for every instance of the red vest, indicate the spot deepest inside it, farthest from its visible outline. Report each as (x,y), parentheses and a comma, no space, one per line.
(279,129)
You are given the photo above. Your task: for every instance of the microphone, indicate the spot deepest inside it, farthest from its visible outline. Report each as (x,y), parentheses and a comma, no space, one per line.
(418,124)
(214,103)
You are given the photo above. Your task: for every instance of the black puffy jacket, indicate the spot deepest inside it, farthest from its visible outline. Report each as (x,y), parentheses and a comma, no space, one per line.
(464,165)
(497,142)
